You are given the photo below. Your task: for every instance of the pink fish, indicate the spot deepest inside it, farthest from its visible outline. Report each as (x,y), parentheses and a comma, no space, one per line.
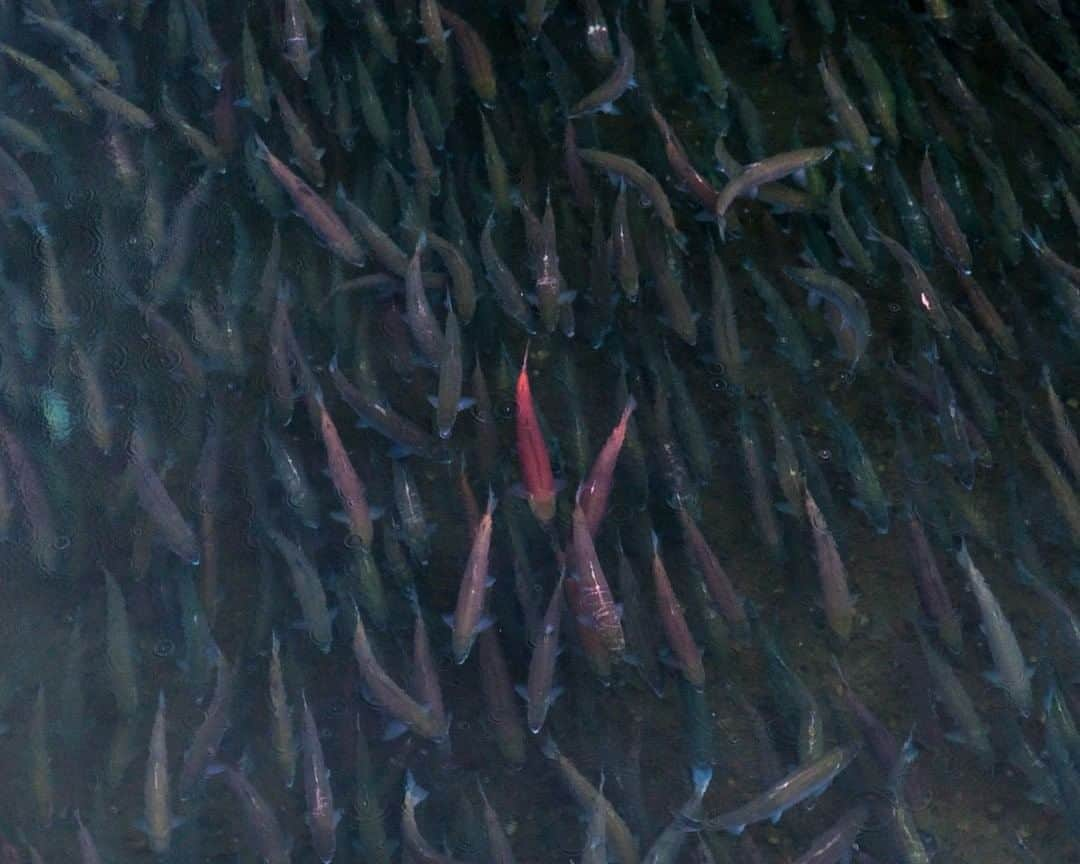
(596,600)
(594,494)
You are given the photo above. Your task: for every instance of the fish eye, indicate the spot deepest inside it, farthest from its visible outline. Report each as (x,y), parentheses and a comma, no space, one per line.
(164,648)
(894,307)
(506,412)
(824,454)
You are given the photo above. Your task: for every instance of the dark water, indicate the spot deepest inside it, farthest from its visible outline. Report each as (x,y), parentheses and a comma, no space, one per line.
(138,340)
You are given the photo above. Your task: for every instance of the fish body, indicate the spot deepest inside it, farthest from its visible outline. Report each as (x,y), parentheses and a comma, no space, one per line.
(45,542)
(596,489)
(619,80)
(674,623)
(839,605)
(793,344)
(765,171)
(293,477)
(839,295)
(448,401)
(848,117)
(499,697)
(835,843)
(540,689)
(913,220)
(319,215)
(388,695)
(475,56)
(376,413)
(265,831)
(623,254)
(681,165)
(1008,220)
(410,511)
(308,589)
(804,782)
(61,90)
(42,791)
(507,288)
(255,88)
(876,82)
(933,594)
(871,497)
(639,634)
(306,154)
(595,593)
(297,51)
(472,596)
(951,693)
(347,483)
(621,843)
(946,227)
(434,32)
(668,269)
(77,42)
(119,649)
(211,60)
(754,464)
(924,296)
(636,176)
(1066,435)
(281,728)
(419,316)
(498,843)
(208,737)
(712,75)
(1012,668)
(321,817)
(156,790)
(532,451)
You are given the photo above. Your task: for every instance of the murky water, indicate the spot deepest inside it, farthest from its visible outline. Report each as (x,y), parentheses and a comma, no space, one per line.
(188,345)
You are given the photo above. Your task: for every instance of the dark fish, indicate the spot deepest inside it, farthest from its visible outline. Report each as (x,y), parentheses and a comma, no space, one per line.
(672,619)
(619,80)
(747,182)
(804,782)
(933,594)
(207,739)
(620,839)
(946,227)
(475,56)
(321,817)
(624,256)
(540,691)
(841,297)
(839,606)
(319,215)
(386,693)
(379,415)
(630,171)
(499,697)
(469,614)
(263,828)
(159,505)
